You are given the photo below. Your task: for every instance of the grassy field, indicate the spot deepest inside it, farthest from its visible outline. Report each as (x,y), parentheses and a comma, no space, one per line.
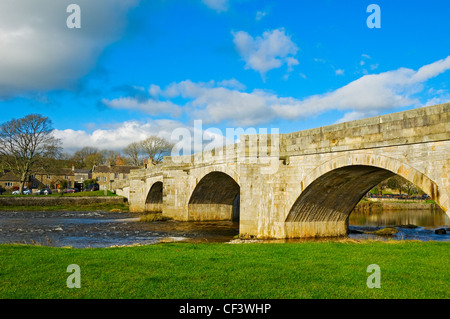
(274,271)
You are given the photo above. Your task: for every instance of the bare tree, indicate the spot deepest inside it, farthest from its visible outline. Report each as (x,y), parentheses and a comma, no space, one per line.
(134,152)
(156,147)
(27,144)
(110,157)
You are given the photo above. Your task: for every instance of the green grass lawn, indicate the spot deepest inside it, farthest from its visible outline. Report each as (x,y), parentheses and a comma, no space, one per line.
(184,270)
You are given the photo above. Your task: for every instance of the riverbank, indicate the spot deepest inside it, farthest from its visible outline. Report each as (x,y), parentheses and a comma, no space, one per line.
(85,201)
(374,206)
(201,271)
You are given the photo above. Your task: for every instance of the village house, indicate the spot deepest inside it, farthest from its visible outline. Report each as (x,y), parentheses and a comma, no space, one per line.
(106,175)
(56,178)
(9,181)
(81,175)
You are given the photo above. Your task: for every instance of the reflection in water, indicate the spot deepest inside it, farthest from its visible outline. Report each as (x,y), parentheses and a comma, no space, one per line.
(103,229)
(425,220)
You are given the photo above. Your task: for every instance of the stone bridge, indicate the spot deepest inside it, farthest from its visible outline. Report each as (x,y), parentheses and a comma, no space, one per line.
(301,184)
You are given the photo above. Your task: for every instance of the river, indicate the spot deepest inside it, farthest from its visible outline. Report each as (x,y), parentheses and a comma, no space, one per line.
(104,229)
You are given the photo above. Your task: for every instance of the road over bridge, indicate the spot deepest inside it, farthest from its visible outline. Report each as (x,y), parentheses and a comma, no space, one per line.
(301,184)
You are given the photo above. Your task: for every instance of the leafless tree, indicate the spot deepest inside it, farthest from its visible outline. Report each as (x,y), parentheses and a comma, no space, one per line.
(110,157)
(27,144)
(134,153)
(156,147)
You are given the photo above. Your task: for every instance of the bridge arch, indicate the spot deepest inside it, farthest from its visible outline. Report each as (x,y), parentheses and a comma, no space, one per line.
(331,191)
(154,200)
(216,196)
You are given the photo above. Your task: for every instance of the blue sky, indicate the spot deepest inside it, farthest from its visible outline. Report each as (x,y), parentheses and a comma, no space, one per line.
(139,68)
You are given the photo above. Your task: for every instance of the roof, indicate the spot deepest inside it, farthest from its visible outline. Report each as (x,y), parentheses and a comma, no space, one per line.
(56,171)
(9,177)
(125,169)
(82,171)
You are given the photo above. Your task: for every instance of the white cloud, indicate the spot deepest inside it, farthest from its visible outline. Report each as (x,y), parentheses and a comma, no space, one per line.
(154,90)
(217,5)
(38,51)
(356,115)
(227,102)
(232,84)
(120,136)
(268,52)
(260,15)
(114,138)
(339,72)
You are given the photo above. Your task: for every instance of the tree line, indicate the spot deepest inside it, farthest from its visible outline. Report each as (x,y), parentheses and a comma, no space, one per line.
(396,183)
(28,146)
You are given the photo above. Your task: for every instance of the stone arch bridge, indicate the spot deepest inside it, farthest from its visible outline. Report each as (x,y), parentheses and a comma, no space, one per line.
(301,184)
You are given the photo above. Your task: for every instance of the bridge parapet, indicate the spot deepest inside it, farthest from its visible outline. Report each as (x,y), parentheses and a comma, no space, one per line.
(249,148)
(420,125)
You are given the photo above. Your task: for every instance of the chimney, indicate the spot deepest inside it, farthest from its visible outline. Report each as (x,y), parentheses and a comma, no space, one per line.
(73,167)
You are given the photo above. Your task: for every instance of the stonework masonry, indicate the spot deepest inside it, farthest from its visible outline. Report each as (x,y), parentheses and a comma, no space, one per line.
(301,184)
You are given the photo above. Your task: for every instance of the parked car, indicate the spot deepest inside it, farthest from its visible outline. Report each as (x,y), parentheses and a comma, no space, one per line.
(71,190)
(45,191)
(26,191)
(92,187)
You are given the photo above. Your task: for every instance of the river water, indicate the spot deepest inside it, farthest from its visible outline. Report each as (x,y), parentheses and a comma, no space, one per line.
(104,229)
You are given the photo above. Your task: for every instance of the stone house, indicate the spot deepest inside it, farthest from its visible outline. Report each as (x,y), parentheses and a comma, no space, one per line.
(81,175)
(57,178)
(106,175)
(8,180)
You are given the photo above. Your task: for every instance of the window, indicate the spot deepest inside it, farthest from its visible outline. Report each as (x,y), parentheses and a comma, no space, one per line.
(116,176)
(98,179)
(8,184)
(49,177)
(66,177)
(124,176)
(104,178)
